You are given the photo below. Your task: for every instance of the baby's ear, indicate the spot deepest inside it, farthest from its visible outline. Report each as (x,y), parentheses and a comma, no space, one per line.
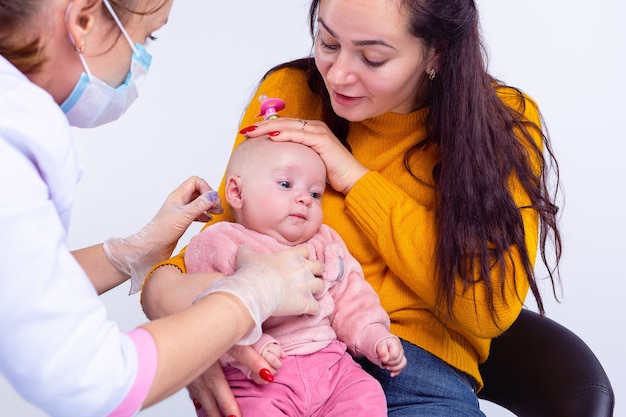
(233,192)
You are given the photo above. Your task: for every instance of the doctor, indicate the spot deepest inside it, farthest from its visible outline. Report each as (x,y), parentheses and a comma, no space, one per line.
(79,63)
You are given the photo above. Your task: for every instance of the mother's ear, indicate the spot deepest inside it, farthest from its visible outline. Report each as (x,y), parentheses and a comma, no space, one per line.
(432,59)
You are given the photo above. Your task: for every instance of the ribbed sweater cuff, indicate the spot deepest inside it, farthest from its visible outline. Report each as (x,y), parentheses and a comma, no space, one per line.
(370,201)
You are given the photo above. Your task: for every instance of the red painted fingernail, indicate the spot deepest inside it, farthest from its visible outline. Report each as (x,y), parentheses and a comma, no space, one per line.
(274,133)
(196,404)
(266,374)
(248,129)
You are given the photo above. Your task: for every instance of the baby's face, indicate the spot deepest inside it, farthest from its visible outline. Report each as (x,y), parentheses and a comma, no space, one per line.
(282,193)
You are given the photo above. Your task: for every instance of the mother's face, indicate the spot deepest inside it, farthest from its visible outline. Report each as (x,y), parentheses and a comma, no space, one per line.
(370,63)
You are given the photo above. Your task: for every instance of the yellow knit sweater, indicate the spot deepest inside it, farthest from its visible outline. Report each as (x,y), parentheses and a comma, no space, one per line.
(388,223)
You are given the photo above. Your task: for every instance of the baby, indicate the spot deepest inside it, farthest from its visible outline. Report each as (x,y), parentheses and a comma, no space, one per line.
(275,191)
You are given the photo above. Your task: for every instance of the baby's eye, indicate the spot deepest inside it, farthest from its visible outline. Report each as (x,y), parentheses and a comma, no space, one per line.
(284,184)
(316,195)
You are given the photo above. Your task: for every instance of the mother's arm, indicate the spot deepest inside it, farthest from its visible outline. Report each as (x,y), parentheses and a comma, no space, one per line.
(168,290)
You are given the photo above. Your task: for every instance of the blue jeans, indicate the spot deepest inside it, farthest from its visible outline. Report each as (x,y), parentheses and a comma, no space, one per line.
(427,386)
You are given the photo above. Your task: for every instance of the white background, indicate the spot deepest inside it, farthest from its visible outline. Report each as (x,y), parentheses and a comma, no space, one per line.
(568,55)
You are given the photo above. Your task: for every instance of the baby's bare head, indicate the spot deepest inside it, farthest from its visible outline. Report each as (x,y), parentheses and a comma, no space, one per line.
(253,154)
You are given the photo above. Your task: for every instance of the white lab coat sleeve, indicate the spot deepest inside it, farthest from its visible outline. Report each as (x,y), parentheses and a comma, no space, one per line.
(57,347)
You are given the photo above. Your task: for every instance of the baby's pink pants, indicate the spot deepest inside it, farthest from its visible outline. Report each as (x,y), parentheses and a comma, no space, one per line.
(327,383)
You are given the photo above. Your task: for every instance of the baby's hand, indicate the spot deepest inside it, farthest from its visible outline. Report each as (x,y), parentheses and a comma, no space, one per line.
(391,354)
(273,354)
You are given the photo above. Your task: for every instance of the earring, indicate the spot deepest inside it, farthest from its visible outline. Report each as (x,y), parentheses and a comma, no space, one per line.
(80,49)
(432,74)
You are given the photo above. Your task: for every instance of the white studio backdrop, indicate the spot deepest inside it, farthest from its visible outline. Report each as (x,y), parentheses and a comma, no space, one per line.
(568,55)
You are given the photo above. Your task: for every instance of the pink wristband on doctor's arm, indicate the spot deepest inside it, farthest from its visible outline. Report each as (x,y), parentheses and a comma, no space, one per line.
(146,370)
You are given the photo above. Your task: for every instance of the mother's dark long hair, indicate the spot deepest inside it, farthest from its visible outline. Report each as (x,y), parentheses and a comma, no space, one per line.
(482,142)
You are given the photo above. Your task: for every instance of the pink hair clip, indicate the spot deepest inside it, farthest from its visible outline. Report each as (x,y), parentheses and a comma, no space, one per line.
(270,107)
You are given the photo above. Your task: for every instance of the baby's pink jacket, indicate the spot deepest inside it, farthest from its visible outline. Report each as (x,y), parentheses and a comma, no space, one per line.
(350,308)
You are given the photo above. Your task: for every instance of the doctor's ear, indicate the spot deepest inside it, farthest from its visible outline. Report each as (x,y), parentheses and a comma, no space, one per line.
(80,18)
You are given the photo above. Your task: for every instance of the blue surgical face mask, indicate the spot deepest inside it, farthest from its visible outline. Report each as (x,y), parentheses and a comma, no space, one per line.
(93,102)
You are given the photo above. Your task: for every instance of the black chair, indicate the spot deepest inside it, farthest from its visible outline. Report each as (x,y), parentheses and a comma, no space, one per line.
(539,368)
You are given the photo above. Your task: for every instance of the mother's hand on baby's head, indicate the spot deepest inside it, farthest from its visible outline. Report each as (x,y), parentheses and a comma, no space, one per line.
(342,169)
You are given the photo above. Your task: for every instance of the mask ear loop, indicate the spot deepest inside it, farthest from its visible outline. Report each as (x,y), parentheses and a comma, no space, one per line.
(119,24)
(78,49)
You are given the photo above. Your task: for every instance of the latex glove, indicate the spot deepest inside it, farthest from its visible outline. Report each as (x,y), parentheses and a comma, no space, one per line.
(193,200)
(278,284)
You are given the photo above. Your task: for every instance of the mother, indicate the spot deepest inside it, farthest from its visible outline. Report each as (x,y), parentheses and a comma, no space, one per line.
(440,181)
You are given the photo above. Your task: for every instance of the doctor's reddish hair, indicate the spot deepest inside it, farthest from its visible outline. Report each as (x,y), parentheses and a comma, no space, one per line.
(22,41)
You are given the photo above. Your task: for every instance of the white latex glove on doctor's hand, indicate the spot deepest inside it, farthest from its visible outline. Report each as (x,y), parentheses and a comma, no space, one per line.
(279,284)
(193,200)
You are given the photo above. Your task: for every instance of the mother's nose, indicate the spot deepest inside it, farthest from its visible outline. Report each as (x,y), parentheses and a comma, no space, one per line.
(342,70)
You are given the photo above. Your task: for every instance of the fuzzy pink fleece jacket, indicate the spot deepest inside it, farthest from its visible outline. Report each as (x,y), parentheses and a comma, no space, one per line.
(350,308)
